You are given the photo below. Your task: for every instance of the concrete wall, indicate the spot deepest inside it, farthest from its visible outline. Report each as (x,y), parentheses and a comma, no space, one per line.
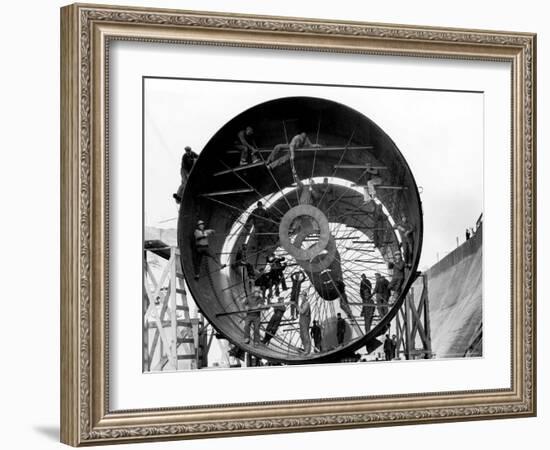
(455,296)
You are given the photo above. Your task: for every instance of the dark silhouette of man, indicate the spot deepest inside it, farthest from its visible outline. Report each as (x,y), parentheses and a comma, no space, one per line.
(382,293)
(340,329)
(317,336)
(365,292)
(187,162)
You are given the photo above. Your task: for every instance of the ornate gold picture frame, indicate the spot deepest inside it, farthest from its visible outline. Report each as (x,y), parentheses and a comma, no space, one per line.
(87,31)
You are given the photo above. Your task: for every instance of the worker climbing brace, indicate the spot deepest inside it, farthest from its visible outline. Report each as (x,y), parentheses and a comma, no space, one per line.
(277,266)
(297,280)
(304,321)
(286,152)
(369,191)
(274,321)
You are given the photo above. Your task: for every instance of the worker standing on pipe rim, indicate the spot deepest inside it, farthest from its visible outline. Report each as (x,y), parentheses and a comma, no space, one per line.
(187,162)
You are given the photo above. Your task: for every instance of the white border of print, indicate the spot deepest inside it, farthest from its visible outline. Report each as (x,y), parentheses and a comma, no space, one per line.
(130,389)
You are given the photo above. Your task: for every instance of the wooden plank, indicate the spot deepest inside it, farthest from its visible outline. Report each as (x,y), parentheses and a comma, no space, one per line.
(168,323)
(397,188)
(228,192)
(407,329)
(311,149)
(359,166)
(426,302)
(153,347)
(240,168)
(417,324)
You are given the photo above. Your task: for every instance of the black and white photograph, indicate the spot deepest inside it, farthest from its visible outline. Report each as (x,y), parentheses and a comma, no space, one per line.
(293,223)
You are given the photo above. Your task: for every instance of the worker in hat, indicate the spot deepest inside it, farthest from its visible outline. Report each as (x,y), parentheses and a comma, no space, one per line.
(187,162)
(201,247)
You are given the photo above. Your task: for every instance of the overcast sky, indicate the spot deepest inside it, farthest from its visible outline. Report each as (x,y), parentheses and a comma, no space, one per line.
(440,135)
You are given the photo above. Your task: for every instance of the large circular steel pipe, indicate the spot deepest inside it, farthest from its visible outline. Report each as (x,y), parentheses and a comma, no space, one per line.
(337,210)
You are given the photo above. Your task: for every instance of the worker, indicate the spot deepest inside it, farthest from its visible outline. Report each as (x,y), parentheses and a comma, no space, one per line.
(202,249)
(344,303)
(388,348)
(406,229)
(365,292)
(260,219)
(369,191)
(382,293)
(263,281)
(274,321)
(340,329)
(297,280)
(247,146)
(304,322)
(241,262)
(398,275)
(467,234)
(379,219)
(322,193)
(187,162)
(394,346)
(316,334)
(252,304)
(278,265)
(283,152)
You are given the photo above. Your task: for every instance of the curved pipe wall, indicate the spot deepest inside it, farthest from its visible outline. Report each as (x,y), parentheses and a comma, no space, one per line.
(361,142)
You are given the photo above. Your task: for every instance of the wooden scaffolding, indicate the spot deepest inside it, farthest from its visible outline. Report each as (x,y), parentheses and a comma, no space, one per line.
(412,324)
(171,338)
